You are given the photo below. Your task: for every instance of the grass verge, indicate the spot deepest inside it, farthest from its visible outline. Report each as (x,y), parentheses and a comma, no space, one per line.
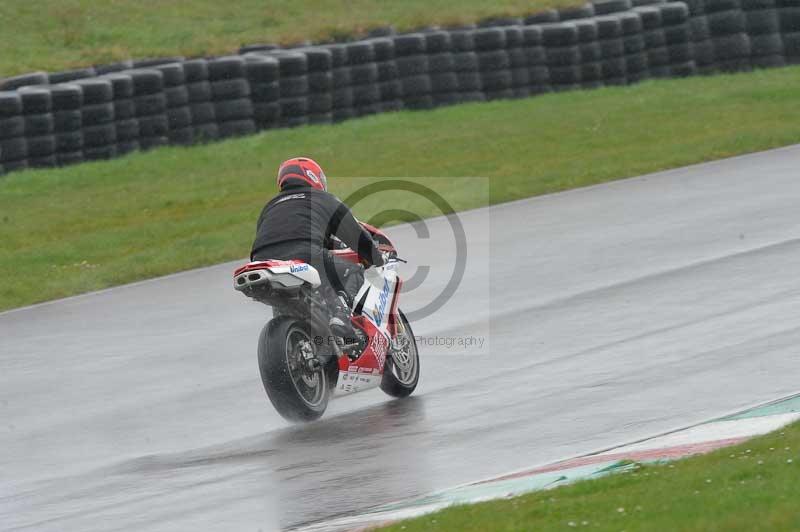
(56,34)
(76,229)
(752,486)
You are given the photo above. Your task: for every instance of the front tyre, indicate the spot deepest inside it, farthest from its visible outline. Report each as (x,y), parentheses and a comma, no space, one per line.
(401,374)
(298,388)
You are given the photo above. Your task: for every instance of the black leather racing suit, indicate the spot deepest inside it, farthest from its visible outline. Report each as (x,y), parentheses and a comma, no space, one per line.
(298,224)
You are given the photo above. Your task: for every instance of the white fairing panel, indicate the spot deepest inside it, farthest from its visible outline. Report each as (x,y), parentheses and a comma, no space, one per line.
(304,272)
(379,285)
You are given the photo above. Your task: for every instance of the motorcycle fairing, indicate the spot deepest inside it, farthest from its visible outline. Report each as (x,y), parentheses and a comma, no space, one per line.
(287,273)
(379,295)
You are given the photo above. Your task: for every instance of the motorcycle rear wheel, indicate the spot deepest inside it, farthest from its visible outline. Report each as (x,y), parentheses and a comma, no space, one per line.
(401,373)
(298,393)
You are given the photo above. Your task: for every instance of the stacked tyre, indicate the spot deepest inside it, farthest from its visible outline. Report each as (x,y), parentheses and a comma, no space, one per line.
(465,66)
(342,94)
(518,63)
(441,65)
(320,85)
(201,105)
(655,41)
(563,55)
(37,105)
(413,71)
(789,16)
(636,64)
(113,68)
(494,63)
(230,93)
(609,7)
(612,48)
(13,147)
(293,88)
(728,27)
(538,73)
(576,12)
(388,78)
(125,123)
(677,34)
(263,75)
(700,37)
(66,76)
(150,104)
(363,77)
(764,29)
(179,117)
(546,16)
(97,113)
(68,123)
(25,80)
(591,54)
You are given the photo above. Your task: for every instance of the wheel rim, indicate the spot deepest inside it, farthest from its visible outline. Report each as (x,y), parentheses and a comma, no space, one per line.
(404,357)
(311,385)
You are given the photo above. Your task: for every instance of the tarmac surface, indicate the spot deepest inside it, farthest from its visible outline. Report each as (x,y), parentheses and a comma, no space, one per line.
(583,320)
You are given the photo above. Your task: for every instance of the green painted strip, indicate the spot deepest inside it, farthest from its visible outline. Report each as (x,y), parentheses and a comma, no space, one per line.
(785,406)
(513,486)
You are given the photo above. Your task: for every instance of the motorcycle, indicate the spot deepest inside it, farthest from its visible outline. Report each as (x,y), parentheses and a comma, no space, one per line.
(302,362)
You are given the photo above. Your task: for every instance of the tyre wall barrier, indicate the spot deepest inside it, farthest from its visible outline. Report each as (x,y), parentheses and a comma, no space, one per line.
(100,112)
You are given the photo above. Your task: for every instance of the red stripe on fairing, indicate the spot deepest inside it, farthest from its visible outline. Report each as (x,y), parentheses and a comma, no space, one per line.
(666,453)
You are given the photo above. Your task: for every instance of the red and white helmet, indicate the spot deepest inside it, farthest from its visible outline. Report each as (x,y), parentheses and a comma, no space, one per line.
(304,170)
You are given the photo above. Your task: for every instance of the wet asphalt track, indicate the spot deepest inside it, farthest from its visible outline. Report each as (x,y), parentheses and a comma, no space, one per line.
(608,313)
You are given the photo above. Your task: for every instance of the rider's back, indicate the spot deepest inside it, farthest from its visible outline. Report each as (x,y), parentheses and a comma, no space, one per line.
(308,215)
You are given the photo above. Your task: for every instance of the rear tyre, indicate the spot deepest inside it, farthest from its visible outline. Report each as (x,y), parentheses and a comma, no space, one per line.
(298,393)
(401,374)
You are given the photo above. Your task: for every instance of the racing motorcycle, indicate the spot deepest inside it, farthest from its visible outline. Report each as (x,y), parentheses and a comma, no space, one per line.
(302,362)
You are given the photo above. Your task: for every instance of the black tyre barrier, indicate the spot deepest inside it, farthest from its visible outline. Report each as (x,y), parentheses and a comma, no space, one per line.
(179,117)
(150,105)
(320,84)
(542,17)
(727,24)
(605,7)
(494,63)
(179,101)
(37,106)
(292,88)
(97,114)
(441,65)
(633,42)
(13,146)
(67,100)
(577,12)
(201,106)
(590,54)
(125,124)
(412,70)
(155,61)
(25,80)
(764,28)
(388,74)
(228,82)
(71,75)
(113,67)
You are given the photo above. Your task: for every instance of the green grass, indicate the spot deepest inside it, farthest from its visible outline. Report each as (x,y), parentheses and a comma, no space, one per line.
(753,486)
(55,34)
(76,229)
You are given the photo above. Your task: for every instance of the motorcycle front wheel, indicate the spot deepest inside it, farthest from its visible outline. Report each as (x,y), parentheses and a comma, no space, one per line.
(298,390)
(401,373)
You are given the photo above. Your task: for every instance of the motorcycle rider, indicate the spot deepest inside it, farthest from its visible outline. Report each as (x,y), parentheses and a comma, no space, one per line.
(298,224)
